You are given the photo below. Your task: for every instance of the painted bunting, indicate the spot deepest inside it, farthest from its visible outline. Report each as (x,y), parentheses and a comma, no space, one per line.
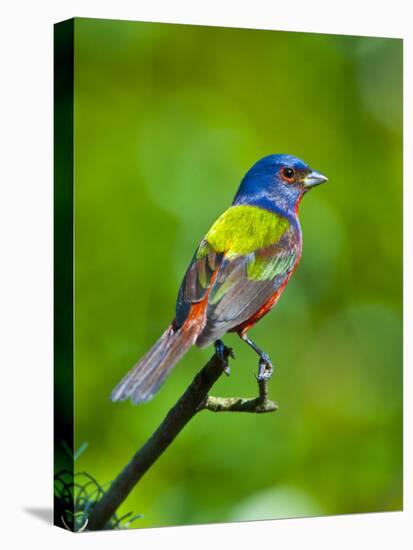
(237,273)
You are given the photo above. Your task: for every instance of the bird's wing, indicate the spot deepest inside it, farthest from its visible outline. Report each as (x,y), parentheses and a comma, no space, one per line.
(197,280)
(235,285)
(243,285)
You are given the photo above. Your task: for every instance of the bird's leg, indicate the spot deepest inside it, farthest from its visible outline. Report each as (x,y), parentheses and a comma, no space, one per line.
(265,368)
(223,352)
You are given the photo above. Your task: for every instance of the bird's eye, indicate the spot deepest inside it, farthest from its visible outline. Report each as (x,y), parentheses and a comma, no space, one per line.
(288,174)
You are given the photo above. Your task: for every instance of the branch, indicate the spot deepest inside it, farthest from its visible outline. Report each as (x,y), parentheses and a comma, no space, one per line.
(194,399)
(237,404)
(260,404)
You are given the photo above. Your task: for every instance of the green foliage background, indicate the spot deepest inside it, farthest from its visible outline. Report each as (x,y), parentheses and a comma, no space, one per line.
(168,118)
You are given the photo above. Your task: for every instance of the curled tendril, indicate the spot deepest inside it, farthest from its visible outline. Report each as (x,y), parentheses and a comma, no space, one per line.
(75,497)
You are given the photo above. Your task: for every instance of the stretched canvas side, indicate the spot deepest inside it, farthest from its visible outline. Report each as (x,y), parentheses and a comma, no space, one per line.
(63,274)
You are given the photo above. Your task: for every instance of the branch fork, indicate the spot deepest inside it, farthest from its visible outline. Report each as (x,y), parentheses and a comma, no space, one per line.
(195,399)
(260,404)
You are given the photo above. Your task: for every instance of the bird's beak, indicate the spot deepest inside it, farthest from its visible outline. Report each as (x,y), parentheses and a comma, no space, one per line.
(314,178)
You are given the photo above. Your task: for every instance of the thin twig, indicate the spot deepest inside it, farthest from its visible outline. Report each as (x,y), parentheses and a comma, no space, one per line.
(194,399)
(238,404)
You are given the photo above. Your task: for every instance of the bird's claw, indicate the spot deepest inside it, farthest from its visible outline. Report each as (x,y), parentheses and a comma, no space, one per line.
(265,369)
(223,352)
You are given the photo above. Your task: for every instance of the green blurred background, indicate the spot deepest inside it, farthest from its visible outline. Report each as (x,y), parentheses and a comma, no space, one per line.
(168,118)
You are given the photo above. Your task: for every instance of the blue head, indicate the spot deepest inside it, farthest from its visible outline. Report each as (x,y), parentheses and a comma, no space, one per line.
(277,183)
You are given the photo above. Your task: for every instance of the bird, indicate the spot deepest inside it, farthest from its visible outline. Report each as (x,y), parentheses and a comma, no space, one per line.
(237,274)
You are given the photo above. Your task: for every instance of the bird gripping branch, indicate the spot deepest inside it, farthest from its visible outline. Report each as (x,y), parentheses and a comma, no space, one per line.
(237,274)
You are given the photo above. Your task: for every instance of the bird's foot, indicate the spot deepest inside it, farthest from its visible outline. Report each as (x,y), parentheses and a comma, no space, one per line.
(265,368)
(223,353)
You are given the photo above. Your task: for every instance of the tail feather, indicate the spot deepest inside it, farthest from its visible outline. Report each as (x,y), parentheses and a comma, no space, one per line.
(146,377)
